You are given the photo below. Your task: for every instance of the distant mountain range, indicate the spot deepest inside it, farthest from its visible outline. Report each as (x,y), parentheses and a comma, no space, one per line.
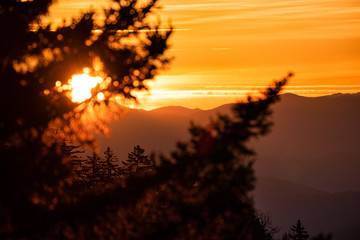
(315,142)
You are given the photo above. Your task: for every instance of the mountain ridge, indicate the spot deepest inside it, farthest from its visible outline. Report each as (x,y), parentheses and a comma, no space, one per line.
(293,95)
(310,160)
(303,146)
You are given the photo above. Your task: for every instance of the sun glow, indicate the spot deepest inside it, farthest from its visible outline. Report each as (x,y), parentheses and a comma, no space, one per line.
(81,86)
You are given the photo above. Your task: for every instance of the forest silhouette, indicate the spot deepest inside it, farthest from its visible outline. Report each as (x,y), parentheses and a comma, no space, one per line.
(202,191)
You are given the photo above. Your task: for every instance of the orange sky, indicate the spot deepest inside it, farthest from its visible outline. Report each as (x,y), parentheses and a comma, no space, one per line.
(224,49)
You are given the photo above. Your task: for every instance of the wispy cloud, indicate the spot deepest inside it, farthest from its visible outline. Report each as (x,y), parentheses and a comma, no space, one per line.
(226,49)
(219,49)
(240,91)
(304,17)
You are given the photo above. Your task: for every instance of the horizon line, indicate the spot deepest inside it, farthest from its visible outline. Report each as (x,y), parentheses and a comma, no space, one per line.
(151,107)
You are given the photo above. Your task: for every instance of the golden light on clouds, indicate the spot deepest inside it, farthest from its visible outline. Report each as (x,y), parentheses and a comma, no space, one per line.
(228,46)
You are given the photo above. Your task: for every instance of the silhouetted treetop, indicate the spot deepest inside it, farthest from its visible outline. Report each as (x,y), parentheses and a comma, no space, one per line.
(297,232)
(137,160)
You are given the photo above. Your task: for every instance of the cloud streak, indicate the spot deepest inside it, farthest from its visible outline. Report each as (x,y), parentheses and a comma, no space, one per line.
(213,98)
(304,17)
(221,46)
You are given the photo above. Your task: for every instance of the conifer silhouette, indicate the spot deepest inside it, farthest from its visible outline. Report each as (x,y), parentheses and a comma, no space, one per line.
(93,170)
(137,160)
(110,164)
(297,232)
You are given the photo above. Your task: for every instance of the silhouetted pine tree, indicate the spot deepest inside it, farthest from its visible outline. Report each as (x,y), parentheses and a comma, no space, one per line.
(137,160)
(297,232)
(93,169)
(110,165)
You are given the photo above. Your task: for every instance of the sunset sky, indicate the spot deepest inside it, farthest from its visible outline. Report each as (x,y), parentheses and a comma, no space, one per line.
(225,49)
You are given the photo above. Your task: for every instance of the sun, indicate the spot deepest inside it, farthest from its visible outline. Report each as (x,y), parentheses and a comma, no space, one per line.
(81,85)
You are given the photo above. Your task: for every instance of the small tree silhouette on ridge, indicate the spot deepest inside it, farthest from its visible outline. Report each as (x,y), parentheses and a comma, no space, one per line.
(110,164)
(138,159)
(297,232)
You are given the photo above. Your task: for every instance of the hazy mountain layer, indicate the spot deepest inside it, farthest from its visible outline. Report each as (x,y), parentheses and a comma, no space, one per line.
(315,142)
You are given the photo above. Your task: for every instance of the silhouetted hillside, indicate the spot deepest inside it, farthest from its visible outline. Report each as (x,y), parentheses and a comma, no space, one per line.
(315,141)
(176,110)
(153,131)
(314,145)
(157,130)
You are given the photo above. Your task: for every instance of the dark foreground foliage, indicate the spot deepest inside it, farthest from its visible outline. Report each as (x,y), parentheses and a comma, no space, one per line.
(38,198)
(202,191)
